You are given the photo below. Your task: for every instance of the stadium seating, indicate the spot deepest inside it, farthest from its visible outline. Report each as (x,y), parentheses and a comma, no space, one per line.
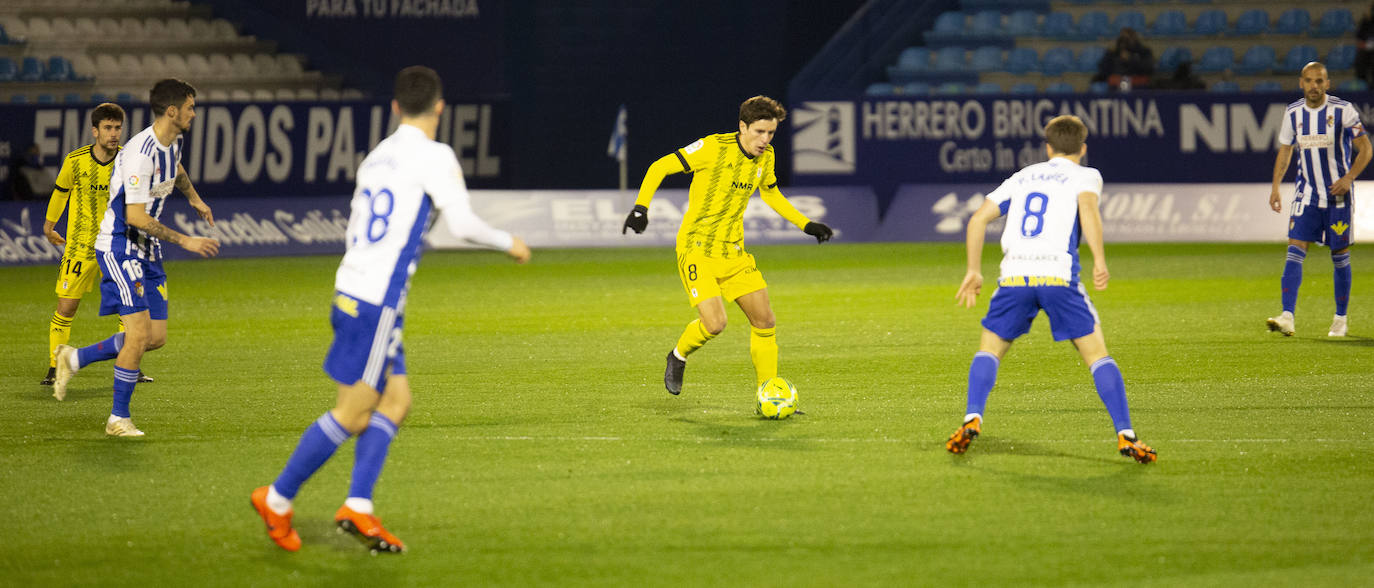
(1095,25)
(986,59)
(1023,88)
(8,70)
(1129,19)
(1056,61)
(987,23)
(1099,88)
(1352,85)
(1059,88)
(1341,58)
(1257,59)
(950,59)
(987,88)
(1216,59)
(1022,23)
(950,88)
(1336,22)
(1296,58)
(879,89)
(1058,25)
(58,70)
(1089,58)
(948,26)
(910,89)
(1022,60)
(1172,56)
(1224,86)
(30,70)
(1210,22)
(1267,86)
(1252,22)
(72,98)
(1294,21)
(1169,23)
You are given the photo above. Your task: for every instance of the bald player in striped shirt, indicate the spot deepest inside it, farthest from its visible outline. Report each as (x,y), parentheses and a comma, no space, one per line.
(711,261)
(1324,129)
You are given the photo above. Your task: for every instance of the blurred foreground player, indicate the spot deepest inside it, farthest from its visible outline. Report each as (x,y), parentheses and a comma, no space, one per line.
(408,176)
(1048,205)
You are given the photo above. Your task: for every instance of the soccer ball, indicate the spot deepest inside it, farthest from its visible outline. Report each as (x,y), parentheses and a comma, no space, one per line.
(777,399)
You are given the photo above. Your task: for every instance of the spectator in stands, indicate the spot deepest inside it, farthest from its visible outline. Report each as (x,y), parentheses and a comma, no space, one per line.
(28,179)
(1364,44)
(1129,62)
(1183,79)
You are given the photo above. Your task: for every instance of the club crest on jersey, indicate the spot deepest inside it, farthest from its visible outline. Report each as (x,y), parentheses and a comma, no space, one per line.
(690,149)
(758,172)
(138,287)
(1340,227)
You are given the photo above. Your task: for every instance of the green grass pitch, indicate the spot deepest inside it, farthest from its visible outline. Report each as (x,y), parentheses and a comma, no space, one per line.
(543,450)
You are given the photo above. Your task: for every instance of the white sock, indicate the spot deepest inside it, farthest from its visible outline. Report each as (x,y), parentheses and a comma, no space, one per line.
(970,416)
(278,503)
(359,505)
(1130,433)
(73,362)
(112,419)
(678,355)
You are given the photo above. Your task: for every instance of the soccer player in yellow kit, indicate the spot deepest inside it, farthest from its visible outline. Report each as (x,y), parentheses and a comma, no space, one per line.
(84,183)
(711,261)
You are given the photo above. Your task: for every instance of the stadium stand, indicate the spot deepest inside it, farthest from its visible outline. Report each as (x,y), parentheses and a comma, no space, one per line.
(87,50)
(1052,43)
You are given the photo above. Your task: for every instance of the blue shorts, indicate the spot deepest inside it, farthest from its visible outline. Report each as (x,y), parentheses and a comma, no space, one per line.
(367,343)
(1329,226)
(1014,307)
(130,285)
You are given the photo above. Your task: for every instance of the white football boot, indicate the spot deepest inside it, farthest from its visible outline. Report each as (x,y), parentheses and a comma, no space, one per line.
(1338,327)
(121,427)
(66,360)
(1282,323)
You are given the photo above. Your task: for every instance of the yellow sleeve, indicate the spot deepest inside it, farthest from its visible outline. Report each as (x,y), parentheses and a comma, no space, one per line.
(60,191)
(668,164)
(775,200)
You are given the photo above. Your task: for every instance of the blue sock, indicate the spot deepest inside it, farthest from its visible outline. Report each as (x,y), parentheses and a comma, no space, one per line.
(124,381)
(370,454)
(1342,263)
(1292,276)
(316,446)
(104,350)
(982,375)
(1112,390)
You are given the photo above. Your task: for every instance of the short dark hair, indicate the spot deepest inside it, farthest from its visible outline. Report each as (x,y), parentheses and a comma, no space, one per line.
(1066,134)
(760,108)
(106,111)
(417,90)
(169,92)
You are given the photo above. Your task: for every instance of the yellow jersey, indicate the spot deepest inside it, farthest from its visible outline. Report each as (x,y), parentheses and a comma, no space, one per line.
(85,182)
(724,177)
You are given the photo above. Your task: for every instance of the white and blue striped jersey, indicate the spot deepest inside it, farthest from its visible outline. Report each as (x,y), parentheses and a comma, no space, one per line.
(1322,137)
(1041,205)
(144,172)
(406,177)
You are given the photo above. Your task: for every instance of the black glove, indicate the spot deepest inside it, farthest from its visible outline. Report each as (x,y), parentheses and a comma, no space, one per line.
(820,231)
(638,220)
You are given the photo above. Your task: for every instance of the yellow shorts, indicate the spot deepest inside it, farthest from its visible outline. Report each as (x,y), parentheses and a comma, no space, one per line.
(75,277)
(705,277)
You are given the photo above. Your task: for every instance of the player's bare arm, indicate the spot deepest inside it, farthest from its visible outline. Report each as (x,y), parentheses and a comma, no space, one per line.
(50,232)
(1281,162)
(972,284)
(1362,157)
(137,216)
(1090,219)
(183,183)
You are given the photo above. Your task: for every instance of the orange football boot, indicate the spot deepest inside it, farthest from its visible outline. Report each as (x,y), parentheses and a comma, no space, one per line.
(1134,449)
(278,526)
(367,529)
(958,442)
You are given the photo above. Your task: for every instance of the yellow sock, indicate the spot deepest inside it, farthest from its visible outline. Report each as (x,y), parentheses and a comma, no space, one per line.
(763,347)
(693,337)
(121,324)
(59,334)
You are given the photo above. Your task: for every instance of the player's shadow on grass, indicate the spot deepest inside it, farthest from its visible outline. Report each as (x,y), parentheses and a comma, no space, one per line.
(1354,340)
(746,429)
(1115,473)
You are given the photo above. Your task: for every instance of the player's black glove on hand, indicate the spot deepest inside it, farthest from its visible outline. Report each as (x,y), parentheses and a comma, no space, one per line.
(820,231)
(638,220)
